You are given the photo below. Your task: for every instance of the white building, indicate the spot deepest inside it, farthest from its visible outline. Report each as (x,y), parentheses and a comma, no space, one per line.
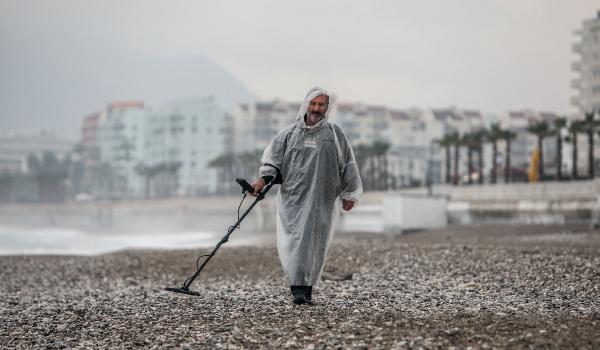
(190,133)
(413,158)
(255,124)
(121,145)
(159,152)
(587,67)
(587,83)
(411,155)
(15,147)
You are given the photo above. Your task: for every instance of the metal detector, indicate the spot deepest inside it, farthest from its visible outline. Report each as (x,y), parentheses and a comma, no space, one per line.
(246,188)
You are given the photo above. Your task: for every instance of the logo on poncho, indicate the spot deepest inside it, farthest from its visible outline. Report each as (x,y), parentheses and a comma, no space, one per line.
(310,143)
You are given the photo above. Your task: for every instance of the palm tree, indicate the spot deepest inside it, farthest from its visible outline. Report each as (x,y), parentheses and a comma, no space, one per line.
(148,173)
(456,140)
(50,175)
(373,164)
(575,127)
(468,140)
(225,164)
(373,167)
(494,134)
(507,136)
(105,175)
(362,154)
(541,129)
(590,125)
(380,149)
(161,186)
(479,137)
(446,141)
(7,181)
(172,169)
(249,162)
(559,124)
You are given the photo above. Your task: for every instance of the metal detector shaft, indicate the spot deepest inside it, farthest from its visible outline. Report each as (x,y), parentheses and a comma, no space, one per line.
(225,238)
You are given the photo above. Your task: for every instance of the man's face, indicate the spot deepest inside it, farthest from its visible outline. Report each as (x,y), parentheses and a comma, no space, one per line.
(317,108)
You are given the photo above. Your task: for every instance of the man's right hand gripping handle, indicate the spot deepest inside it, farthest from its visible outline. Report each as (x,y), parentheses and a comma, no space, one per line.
(258,187)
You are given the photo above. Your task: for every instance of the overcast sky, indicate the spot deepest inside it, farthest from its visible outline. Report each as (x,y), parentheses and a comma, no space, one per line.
(493,55)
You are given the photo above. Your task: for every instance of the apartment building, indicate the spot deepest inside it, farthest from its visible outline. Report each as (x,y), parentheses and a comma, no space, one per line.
(189,134)
(120,146)
(411,157)
(255,124)
(136,151)
(587,66)
(587,81)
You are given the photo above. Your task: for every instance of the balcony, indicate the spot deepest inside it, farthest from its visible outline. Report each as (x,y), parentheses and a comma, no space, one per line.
(577,47)
(576,84)
(576,66)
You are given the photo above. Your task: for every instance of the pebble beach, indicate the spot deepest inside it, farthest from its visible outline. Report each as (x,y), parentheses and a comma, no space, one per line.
(461,287)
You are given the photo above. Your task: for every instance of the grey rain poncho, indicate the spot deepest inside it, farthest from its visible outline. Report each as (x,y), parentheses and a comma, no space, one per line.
(318,168)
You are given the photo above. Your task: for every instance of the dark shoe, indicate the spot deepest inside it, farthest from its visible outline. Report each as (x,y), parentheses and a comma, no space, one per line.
(300,299)
(302,294)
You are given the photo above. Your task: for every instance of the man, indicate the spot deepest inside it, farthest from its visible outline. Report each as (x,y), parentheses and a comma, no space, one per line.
(314,162)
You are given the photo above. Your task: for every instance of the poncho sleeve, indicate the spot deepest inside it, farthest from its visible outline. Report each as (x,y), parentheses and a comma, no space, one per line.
(272,158)
(351,184)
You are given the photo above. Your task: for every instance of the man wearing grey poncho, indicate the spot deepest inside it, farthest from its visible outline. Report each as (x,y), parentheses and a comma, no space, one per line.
(314,162)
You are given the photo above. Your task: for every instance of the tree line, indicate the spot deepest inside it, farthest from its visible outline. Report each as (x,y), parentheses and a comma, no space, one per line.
(160,180)
(474,141)
(371,159)
(49,179)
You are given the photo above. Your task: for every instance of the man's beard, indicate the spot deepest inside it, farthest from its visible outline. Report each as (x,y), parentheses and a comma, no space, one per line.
(314,118)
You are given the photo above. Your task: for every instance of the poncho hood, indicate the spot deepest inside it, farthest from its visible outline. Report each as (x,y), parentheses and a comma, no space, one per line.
(312,93)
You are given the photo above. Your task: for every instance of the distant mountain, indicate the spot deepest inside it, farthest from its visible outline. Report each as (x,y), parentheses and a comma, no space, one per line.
(54,88)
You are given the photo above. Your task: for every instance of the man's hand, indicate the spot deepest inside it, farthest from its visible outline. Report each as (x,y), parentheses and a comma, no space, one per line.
(258,187)
(347,205)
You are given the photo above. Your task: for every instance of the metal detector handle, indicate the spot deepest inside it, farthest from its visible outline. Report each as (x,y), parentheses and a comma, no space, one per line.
(246,187)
